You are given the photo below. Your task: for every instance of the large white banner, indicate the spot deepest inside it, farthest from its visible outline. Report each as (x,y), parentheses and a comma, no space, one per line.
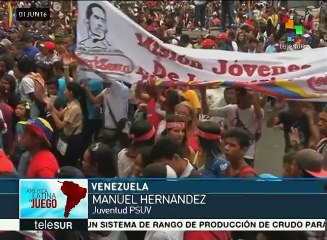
(111,42)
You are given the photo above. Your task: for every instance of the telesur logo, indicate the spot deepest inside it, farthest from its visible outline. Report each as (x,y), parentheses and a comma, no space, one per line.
(293,30)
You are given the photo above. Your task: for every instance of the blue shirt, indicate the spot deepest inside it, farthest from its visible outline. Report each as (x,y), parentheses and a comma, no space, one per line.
(61,97)
(271,49)
(30,51)
(96,87)
(217,169)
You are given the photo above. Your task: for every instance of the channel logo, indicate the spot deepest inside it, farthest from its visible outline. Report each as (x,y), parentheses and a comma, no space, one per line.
(53,198)
(292,28)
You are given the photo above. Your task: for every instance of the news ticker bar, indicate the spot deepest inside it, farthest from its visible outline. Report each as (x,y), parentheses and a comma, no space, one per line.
(163,225)
(223,186)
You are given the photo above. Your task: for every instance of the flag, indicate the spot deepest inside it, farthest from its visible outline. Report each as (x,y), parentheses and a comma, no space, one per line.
(10,15)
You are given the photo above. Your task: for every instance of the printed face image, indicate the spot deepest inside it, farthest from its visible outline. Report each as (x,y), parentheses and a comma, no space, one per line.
(97,23)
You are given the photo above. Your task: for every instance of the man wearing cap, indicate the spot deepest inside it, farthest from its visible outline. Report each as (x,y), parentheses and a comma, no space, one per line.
(308,163)
(208,44)
(36,140)
(27,48)
(47,54)
(306,40)
(223,42)
(4,46)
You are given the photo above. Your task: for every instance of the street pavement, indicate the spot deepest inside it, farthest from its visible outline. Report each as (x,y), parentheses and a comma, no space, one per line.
(270,150)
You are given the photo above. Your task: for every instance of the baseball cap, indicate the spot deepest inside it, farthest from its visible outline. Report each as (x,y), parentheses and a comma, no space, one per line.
(208,43)
(223,36)
(48,45)
(311,162)
(41,128)
(5,42)
(69,172)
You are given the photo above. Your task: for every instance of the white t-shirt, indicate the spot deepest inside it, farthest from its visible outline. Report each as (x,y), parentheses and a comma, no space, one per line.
(188,170)
(27,86)
(247,117)
(164,235)
(5,125)
(117,96)
(113,236)
(235,47)
(125,164)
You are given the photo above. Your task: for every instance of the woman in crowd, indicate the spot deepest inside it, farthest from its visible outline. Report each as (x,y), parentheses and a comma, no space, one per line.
(22,112)
(186,110)
(7,64)
(241,41)
(211,159)
(8,82)
(70,122)
(176,130)
(142,135)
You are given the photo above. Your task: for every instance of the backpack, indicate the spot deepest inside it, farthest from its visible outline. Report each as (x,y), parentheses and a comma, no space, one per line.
(39,85)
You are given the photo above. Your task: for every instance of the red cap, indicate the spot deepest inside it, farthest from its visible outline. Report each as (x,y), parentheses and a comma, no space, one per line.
(48,45)
(208,43)
(223,36)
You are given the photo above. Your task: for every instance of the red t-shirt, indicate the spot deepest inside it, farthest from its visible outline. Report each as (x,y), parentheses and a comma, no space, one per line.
(193,142)
(43,165)
(208,235)
(5,164)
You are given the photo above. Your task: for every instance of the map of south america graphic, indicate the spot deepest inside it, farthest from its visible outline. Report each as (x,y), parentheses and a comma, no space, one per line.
(74,193)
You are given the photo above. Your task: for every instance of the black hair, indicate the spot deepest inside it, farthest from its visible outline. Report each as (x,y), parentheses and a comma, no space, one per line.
(58,65)
(105,158)
(241,91)
(241,135)
(173,98)
(155,170)
(26,65)
(11,81)
(75,88)
(8,175)
(8,60)
(27,110)
(26,38)
(46,70)
(178,30)
(89,10)
(52,81)
(146,156)
(139,128)
(184,41)
(212,148)
(165,148)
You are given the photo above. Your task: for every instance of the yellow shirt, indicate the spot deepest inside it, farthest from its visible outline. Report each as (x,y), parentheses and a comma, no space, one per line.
(192,97)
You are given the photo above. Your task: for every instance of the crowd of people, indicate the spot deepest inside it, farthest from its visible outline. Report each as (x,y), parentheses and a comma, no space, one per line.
(53,124)
(244,26)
